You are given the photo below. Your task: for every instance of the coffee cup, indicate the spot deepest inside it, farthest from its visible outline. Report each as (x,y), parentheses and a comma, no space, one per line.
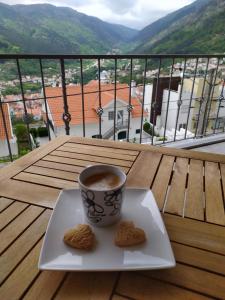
(102,188)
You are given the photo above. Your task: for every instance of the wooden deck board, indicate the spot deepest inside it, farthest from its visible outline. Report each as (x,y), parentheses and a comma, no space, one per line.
(46,181)
(4,203)
(194,206)
(14,287)
(213,194)
(143,171)
(15,228)
(97,151)
(10,213)
(162,179)
(23,244)
(197,280)
(87,286)
(176,196)
(138,286)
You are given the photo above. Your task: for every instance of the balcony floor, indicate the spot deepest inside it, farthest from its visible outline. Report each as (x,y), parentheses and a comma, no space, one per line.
(215,148)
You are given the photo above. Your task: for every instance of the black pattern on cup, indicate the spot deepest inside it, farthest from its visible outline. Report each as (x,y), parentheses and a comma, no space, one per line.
(95,212)
(114,199)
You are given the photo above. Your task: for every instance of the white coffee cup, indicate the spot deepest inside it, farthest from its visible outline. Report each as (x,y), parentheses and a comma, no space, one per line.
(102,207)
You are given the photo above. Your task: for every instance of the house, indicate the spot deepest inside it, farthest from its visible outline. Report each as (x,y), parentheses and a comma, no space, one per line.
(91,110)
(191,115)
(6,132)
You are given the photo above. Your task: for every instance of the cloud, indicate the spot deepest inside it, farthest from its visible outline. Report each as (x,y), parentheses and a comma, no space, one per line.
(132,13)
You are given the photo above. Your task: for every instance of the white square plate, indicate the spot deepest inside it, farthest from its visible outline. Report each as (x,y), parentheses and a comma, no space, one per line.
(139,206)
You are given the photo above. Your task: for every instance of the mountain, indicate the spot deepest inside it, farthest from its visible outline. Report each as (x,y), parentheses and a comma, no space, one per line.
(44,28)
(196,28)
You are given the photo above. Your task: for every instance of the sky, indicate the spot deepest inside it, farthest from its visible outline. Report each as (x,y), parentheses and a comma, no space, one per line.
(132,13)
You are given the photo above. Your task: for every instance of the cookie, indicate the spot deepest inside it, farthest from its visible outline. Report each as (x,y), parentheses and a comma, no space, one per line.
(80,237)
(129,235)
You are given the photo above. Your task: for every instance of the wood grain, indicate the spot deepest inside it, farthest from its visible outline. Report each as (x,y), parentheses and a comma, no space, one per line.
(162,179)
(161,150)
(199,258)
(97,151)
(58,166)
(102,147)
(143,170)
(176,196)
(45,286)
(87,285)
(194,206)
(52,173)
(29,192)
(210,284)
(46,181)
(19,249)
(93,158)
(213,194)
(196,233)
(18,225)
(4,203)
(11,212)
(14,287)
(75,162)
(140,287)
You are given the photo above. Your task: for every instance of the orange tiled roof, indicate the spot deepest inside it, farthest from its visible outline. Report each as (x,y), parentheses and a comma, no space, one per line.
(8,123)
(91,101)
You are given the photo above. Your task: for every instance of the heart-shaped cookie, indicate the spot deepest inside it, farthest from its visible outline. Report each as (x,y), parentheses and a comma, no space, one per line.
(80,237)
(129,235)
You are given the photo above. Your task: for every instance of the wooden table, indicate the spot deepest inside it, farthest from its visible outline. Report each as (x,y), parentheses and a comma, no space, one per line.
(189,188)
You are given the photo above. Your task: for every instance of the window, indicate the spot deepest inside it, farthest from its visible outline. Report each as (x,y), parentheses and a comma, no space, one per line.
(122,135)
(111,115)
(138,131)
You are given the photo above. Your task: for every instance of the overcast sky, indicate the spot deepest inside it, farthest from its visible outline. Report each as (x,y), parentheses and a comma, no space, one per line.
(133,13)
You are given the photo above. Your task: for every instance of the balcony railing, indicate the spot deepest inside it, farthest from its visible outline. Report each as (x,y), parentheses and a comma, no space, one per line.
(159,98)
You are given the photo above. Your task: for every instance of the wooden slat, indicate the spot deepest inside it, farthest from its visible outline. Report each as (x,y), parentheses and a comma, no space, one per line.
(44,286)
(52,173)
(30,193)
(76,162)
(93,158)
(195,233)
(97,151)
(58,166)
(176,195)
(199,258)
(140,287)
(162,150)
(222,169)
(113,147)
(30,158)
(22,245)
(4,202)
(87,286)
(19,280)
(195,279)
(213,194)
(17,226)
(161,182)
(11,212)
(143,170)
(194,206)
(44,180)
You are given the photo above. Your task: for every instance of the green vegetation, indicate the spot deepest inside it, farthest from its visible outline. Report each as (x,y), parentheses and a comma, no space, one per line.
(197,28)
(49,29)
(22,139)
